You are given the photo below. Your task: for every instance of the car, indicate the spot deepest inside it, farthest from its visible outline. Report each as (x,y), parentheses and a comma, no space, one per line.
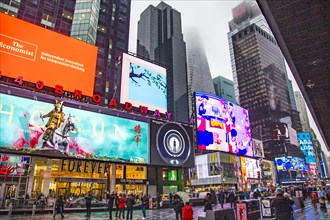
(81,203)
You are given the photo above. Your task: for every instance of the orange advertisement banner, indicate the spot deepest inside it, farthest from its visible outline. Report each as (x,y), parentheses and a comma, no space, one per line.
(36,53)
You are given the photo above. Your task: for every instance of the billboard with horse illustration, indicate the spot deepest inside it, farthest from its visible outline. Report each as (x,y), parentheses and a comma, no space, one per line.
(40,128)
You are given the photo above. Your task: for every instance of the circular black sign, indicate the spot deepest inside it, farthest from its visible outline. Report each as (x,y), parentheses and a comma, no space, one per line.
(173,144)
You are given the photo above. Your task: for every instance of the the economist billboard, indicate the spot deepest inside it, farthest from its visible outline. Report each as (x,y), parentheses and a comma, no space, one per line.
(143,83)
(38,54)
(73,132)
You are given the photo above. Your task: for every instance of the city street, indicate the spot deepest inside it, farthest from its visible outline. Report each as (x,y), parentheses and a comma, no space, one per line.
(307,213)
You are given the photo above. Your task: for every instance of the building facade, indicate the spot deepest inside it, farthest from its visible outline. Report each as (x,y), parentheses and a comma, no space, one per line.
(104,24)
(199,75)
(160,39)
(301,107)
(224,88)
(260,78)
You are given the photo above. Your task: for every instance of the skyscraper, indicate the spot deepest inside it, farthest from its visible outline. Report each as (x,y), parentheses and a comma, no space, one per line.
(160,39)
(260,78)
(104,24)
(199,75)
(224,88)
(301,107)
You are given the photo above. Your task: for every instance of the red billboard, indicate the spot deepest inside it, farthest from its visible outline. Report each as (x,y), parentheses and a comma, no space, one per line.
(36,53)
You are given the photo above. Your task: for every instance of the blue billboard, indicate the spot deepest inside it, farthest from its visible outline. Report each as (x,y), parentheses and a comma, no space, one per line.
(290,163)
(306,146)
(33,126)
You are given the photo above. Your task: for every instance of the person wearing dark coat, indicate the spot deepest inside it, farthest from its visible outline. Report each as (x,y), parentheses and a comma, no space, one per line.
(221,198)
(282,205)
(88,199)
(111,201)
(207,201)
(144,205)
(178,205)
(59,206)
(231,198)
(130,201)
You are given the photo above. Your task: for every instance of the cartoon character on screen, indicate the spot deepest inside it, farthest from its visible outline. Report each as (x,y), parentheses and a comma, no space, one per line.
(231,114)
(203,102)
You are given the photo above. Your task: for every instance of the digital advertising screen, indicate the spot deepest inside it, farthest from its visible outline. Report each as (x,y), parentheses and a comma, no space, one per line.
(222,125)
(258,148)
(306,146)
(143,83)
(37,127)
(252,167)
(45,55)
(280,131)
(172,175)
(283,164)
(13,165)
(172,144)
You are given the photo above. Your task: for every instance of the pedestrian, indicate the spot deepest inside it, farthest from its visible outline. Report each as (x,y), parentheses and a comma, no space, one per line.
(187,212)
(158,199)
(208,204)
(121,206)
(59,203)
(111,200)
(288,196)
(178,205)
(213,196)
(117,200)
(170,196)
(130,201)
(88,199)
(221,198)
(282,205)
(231,198)
(144,204)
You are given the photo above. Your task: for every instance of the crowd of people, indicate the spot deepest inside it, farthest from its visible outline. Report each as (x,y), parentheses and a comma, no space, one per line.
(121,205)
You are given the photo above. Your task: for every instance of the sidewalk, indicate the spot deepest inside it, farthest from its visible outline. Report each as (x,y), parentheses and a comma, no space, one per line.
(306,213)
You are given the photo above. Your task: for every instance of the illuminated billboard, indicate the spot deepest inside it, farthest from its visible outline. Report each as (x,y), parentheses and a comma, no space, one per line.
(143,83)
(250,168)
(27,126)
(289,163)
(11,165)
(258,148)
(36,53)
(172,144)
(222,125)
(306,146)
(280,131)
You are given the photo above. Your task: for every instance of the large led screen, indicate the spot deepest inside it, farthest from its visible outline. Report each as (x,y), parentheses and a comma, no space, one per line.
(250,168)
(11,165)
(143,83)
(306,146)
(36,53)
(280,131)
(171,144)
(222,125)
(82,134)
(283,164)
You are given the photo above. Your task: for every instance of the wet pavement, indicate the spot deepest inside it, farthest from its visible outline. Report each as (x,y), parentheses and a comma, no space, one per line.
(307,213)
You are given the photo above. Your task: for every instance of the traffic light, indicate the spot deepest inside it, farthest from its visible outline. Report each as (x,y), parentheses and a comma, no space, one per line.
(258,174)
